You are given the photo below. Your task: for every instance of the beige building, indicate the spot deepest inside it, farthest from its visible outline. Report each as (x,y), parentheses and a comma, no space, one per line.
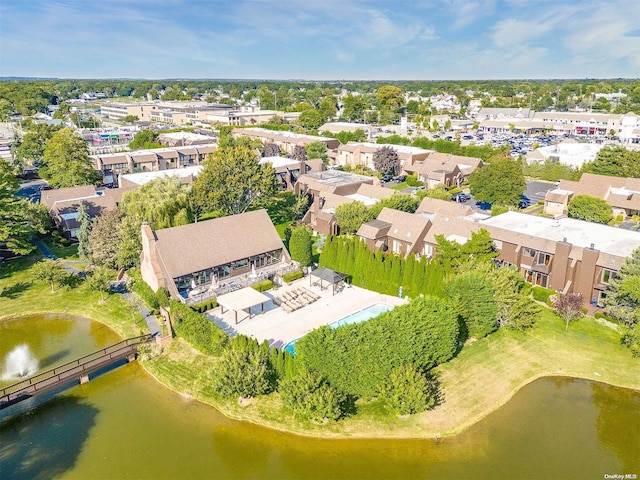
(112,165)
(623,194)
(361,153)
(566,255)
(120,110)
(443,169)
(287,141)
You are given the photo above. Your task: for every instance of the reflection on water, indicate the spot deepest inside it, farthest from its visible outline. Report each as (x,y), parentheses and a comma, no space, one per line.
(129,426)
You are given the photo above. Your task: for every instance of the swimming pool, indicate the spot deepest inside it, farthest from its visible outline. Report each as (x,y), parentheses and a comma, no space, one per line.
(360,316)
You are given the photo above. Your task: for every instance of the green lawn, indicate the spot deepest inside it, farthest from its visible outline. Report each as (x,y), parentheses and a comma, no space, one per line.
(280,228)
(21,294)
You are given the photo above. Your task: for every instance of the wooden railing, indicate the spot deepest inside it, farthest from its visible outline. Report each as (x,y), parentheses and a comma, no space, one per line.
(74,370)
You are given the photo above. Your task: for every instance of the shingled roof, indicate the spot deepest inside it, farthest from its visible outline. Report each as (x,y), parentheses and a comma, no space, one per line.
(198,246)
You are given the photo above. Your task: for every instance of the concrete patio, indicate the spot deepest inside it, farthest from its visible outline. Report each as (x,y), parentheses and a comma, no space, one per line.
(279,327)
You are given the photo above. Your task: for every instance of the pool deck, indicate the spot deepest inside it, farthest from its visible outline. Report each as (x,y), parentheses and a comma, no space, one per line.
(279,327)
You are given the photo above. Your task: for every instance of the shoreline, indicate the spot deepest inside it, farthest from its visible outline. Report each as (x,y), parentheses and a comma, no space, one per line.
(345,436)
(353,427)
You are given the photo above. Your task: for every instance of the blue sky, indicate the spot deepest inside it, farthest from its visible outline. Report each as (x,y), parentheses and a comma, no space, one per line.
(320,39)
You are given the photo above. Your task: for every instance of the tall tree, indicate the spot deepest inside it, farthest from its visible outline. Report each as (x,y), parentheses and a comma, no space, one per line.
(472,297)
(105,238)
(232,180)
(84,246)
(623,297)
(591,209)
(271,150)
(386,160)
(32,145)
(19,218)
(144,139)
(350,216)
(99,281)
(299,153)
(502,181)
(67,162)
(317,150)
(617,161)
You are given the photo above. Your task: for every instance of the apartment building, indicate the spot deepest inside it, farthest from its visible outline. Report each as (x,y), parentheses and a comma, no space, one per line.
(113,164)
(63,205)
(623,194)
(287,141)
(361,153)
(120,110)
(566,255)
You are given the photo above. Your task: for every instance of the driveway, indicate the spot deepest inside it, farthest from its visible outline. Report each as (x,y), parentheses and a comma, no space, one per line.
(537,189)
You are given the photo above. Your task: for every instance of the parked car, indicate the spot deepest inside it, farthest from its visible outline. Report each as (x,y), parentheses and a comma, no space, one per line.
(417,189)
(386,178)
(461,197)
(400,178)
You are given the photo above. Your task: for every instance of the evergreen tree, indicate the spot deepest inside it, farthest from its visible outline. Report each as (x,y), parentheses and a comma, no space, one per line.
(84,245)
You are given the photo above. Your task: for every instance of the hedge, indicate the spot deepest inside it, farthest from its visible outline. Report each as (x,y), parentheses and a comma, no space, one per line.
(357,359)
(290,277)
(263,286)
(542,294)
(204,306)
(197,329)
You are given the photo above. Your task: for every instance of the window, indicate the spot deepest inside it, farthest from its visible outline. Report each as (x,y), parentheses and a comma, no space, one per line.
(396,246)
(542,279)
(428,250)
(607,275)
(529,252)
(601,298)
(543,259)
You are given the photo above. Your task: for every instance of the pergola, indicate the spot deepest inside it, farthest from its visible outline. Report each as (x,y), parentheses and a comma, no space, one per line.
(332,277)
(241,300)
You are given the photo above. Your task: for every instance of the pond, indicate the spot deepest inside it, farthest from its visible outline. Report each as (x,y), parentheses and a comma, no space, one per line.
(123,424)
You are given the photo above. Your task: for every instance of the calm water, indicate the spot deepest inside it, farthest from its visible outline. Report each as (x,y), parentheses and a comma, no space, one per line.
(124,425)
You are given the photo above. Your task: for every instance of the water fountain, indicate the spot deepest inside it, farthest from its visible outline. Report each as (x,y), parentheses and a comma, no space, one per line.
(19,363)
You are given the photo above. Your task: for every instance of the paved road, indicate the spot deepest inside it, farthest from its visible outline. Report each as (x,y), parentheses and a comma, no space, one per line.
(30,189)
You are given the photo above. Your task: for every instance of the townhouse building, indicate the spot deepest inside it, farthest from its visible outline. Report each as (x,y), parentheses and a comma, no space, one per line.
(112,165)
(361,154)
(566,255)
(623,194)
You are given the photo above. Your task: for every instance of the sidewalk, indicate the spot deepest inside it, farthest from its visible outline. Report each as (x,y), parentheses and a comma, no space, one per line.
(118,287)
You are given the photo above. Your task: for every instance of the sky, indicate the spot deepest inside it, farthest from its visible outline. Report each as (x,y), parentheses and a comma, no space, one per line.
(321,39)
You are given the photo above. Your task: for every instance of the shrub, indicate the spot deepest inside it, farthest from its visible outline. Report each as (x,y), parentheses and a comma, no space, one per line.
(300,246)
(242,373)
(163,297)
(290,277)
(542,294)
(311,396)
(197,329)
(204,306)
(145,292)
(263,286)
(455,190)
(406,391)
(412,180)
